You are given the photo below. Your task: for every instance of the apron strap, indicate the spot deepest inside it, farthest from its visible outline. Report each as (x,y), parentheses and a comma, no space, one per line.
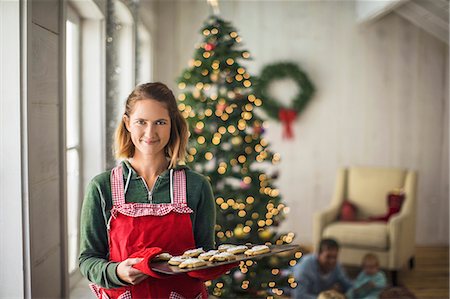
(179,190)
(117,189)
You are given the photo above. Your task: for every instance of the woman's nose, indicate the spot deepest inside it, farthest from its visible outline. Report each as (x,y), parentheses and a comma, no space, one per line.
(149,129)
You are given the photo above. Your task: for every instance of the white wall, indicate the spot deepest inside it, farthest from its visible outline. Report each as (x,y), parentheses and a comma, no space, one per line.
(11,184)
(382,97)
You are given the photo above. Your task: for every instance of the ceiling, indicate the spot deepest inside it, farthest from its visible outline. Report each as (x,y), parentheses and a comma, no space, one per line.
(430,15)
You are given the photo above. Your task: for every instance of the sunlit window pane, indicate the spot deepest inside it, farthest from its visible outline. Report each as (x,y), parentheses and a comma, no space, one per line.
(72,139)
(73,195)
(72,86)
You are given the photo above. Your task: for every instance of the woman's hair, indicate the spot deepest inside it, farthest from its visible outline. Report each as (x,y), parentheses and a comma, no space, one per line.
(176,148)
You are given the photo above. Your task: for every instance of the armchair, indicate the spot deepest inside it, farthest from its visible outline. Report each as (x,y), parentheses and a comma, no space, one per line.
(366,188)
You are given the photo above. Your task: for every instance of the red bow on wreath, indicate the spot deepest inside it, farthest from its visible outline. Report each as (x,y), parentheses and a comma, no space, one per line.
(287,116)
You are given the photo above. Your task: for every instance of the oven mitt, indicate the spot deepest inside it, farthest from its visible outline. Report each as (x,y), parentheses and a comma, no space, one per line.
(212,273)
(144,266)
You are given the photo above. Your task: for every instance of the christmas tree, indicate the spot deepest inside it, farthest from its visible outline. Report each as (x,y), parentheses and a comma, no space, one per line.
(227,145)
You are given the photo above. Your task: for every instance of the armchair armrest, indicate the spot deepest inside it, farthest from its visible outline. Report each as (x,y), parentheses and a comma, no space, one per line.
(321,220)
(402,228)
(401,239)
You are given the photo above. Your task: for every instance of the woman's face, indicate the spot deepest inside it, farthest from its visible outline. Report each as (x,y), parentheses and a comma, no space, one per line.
(149,126)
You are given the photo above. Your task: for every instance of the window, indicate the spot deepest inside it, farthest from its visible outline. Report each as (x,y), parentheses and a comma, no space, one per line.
(126,55)
(73,129)
(145,55)
(85,115)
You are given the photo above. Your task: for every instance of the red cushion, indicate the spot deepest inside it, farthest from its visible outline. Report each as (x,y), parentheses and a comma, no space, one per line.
(395,201)
(348,211)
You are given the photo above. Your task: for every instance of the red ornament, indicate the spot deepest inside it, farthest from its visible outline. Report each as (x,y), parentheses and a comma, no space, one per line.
(221,107)
(210,47)
(257,129)
(287,117)
(244,185)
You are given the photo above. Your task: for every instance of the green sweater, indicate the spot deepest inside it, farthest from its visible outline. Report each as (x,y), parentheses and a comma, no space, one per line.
(95,213)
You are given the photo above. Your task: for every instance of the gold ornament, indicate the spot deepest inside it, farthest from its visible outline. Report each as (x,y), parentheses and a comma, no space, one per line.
(239,232)
(265,234)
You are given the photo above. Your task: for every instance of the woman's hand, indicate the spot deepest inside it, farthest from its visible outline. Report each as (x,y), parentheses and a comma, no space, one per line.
(128,274)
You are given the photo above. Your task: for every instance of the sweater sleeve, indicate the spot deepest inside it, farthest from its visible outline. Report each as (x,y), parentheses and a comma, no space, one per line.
(343,279)
(205,217)
(304,278)
(94,250)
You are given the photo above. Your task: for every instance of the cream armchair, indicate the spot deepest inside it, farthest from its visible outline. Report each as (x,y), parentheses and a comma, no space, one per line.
(393,242)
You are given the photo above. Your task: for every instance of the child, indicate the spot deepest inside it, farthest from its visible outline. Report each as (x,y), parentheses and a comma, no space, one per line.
(370,282)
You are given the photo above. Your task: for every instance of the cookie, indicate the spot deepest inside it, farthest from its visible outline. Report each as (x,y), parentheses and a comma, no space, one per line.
(193,252)
(225,247)
(237,249)
(223,256)
(258,249)
(162,257)
(192,263)
(176,260)
(207,255)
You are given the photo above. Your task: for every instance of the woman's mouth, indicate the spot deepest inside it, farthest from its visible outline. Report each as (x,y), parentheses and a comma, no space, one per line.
(150,141)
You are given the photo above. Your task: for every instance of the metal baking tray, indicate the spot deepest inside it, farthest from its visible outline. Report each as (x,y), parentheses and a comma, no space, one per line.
(164,267)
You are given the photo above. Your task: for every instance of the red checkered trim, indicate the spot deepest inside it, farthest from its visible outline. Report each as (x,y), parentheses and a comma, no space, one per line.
(96,290)
(175,295)
(125,295)
(101,294)
(179,204)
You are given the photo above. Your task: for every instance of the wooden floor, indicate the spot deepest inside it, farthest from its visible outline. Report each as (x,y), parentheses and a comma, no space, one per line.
(429,279)
(430,276)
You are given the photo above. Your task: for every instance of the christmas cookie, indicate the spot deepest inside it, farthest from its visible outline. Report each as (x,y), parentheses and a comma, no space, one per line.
(207,255)
(162,257)
(192,263)
(223,256)
(237,249)
(176,260)
(258,249)
(193,252)
(225,247)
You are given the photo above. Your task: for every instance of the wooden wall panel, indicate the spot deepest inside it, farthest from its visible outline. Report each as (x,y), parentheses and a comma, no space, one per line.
(44,148)
(45,13)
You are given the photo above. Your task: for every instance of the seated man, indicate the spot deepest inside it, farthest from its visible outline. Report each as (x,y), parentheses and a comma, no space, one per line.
(317,273)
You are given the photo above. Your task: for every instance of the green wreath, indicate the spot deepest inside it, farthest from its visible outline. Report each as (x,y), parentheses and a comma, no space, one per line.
(279,71)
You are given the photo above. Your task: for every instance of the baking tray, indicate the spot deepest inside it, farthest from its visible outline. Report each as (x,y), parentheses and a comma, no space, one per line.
(164,267)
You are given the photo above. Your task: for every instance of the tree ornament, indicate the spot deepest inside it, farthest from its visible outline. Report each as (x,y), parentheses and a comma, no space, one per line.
(274,109)
(258,129)
(239,232)
(214,77)
(221,107)
(244,185)
(210,46)
(265,234)
(238,276)
(237,140)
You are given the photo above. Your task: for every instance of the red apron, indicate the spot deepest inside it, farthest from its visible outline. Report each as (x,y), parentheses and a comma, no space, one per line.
(135,226)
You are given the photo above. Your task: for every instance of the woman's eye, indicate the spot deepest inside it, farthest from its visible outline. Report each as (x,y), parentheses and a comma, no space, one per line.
(140,122)
(161,122)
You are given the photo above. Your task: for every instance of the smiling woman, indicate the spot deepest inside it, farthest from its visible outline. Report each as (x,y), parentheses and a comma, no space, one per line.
(147,204)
